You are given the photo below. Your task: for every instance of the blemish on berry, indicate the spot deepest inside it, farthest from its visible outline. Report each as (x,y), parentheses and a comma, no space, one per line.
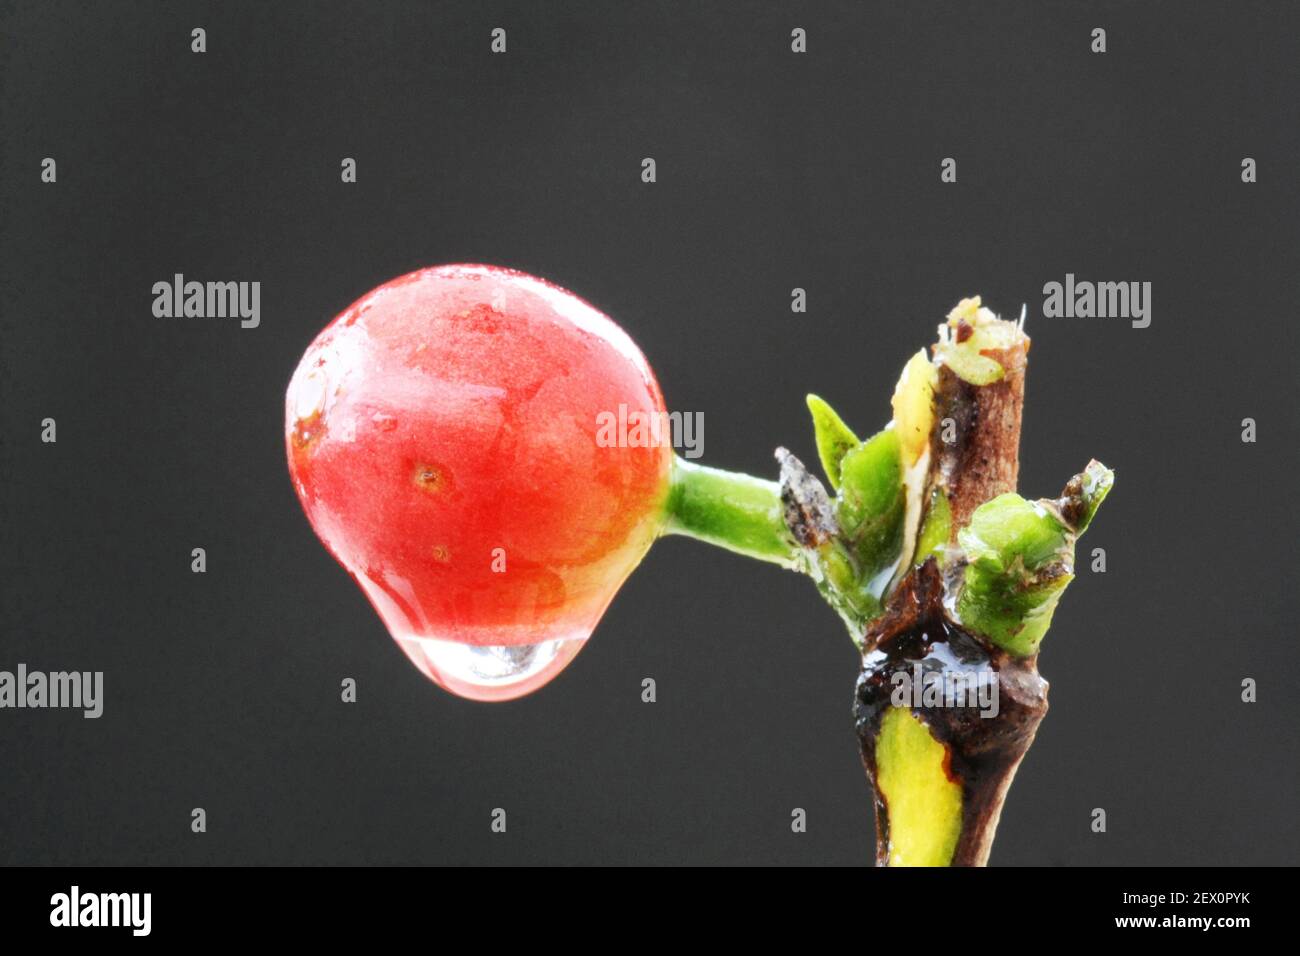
(308,430)
(964,331)
(430,478)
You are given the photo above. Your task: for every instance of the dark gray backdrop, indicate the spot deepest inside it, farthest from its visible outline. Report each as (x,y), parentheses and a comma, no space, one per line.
(775,170)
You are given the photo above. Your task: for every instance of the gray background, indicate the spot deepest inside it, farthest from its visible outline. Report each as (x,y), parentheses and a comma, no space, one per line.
(775,170)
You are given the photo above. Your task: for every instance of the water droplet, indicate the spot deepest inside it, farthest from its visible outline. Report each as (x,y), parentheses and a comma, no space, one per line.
(475,671)
(492,672)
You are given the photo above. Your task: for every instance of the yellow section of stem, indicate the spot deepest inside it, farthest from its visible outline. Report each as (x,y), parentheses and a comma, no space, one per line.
(924,805)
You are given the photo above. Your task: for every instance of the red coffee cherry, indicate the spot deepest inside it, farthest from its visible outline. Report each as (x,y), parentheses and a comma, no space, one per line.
(442,435)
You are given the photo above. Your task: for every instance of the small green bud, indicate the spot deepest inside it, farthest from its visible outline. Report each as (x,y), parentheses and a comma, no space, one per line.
(1020,558)
(871,480)
(1010,530)
(834,438)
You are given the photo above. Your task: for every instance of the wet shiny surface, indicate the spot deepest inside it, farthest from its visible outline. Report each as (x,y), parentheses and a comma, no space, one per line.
(984,746)
(441,435)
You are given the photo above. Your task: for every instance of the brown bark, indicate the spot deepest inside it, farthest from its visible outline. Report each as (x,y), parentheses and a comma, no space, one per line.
(983,752)
(983,459)
(980,462)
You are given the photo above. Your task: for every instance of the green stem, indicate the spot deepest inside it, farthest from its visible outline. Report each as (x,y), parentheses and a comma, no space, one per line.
(731,510)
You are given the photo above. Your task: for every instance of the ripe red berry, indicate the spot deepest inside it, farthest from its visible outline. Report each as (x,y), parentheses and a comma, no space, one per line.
(442,437)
